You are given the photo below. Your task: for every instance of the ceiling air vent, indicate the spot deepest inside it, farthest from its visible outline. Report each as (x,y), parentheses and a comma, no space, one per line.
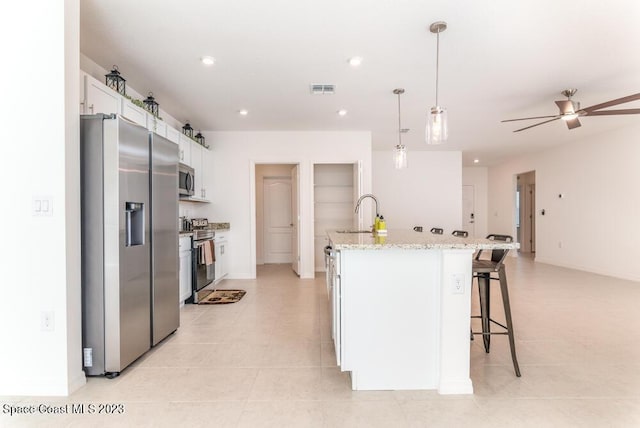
(322,89)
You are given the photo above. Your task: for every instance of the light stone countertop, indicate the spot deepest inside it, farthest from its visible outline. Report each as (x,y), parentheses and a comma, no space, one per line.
(411,240)
(220,226)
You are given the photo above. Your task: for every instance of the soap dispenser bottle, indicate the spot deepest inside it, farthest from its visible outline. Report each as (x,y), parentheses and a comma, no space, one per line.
(382,224)
(376,224)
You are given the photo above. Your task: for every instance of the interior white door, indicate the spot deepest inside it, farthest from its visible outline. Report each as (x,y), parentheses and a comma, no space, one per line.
(468,209)
(295,222)
(277,220)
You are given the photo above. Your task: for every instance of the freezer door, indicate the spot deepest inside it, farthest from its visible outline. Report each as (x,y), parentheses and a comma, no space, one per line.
(127,299)
(165,307)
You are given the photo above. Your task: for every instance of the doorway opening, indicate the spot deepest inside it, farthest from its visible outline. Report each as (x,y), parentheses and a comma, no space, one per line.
(336,189)
(525,212)
(277,215)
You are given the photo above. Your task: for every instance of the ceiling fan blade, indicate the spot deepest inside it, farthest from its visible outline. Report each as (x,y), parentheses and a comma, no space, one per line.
(527,118)
(613,112)
(615,102)
(540,123)
(573,123)
(565,106)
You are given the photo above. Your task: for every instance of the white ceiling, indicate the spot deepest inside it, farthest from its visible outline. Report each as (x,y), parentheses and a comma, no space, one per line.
(498,59)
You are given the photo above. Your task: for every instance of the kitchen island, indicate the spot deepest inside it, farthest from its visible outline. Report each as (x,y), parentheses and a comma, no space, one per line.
(400,307)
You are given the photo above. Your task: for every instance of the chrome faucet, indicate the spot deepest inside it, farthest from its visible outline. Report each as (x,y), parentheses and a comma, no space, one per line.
(367,195)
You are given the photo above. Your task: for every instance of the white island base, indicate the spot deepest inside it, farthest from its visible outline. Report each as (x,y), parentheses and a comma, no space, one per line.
(405,319)
(401,310)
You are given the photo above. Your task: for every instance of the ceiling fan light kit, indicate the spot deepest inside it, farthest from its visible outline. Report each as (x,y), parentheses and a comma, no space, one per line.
(400,152)
(570,110)
(437,131)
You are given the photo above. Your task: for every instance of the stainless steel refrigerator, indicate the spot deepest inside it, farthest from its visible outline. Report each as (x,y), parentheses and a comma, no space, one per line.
(122,202)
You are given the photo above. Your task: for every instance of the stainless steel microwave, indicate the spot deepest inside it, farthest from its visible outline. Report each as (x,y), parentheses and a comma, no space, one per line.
(186,182)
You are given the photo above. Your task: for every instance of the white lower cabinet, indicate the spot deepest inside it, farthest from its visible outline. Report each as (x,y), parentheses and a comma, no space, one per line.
(185,267)
(221,246)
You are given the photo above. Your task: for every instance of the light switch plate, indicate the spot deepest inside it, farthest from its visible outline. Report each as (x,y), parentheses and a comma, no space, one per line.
(457,283)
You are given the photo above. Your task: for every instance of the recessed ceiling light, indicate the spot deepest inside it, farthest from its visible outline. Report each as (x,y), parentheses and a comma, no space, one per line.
(208,60)
(243,112)
(355,61)
(476,160)
(342,112)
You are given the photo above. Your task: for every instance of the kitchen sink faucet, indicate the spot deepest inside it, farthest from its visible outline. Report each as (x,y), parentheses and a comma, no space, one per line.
(367,195)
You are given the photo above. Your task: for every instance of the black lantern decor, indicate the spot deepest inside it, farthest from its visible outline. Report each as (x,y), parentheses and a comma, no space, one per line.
(151,105)
(115,81)
(200,138)
(187,130)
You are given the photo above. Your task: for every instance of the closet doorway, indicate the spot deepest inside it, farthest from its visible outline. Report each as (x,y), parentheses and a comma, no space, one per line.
(526,212)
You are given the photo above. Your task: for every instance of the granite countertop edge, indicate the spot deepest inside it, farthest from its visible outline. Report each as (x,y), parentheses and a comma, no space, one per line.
(410,240)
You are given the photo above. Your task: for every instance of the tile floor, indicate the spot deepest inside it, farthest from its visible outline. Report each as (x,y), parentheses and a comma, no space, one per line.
(268,361)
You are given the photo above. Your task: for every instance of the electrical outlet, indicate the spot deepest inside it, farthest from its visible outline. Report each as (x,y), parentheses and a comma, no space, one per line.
(47,321)
(559,244)
(457,283)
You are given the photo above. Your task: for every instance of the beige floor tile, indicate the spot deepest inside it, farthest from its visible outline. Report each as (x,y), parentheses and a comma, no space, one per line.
(287,384)
(268,360)
(365,414)
(277,414)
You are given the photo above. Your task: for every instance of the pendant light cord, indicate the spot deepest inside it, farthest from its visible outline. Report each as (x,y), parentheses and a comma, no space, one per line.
(437,63)
(399,127)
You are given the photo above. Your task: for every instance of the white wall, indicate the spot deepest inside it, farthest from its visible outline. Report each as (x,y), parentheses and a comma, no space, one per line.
(232,182)
(428,193)
(594,227)
(40,261)
(477,176)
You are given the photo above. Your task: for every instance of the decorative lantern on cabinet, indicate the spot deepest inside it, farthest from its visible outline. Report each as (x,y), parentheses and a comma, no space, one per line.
(115,81)
(151,105)
(187,130)
(200,138)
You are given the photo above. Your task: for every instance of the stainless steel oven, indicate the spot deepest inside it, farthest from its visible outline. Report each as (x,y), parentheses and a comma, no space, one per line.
(204,261)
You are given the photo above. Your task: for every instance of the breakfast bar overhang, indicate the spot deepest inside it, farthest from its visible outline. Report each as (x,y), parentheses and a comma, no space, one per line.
(401,306)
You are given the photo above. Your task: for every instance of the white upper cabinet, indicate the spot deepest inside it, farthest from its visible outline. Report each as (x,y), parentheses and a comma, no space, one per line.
(134,113)
(185,150)
(200,162)
(99,98)
(156,125)
(173,135)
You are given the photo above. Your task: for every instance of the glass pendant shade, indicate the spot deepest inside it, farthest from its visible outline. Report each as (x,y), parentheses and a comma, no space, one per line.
(437,130)
(400,156)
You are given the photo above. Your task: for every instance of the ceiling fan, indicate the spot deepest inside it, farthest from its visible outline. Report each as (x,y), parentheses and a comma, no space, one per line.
(570,110)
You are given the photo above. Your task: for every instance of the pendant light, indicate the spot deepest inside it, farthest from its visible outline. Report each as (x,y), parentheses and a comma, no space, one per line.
(400,153)
(437,130)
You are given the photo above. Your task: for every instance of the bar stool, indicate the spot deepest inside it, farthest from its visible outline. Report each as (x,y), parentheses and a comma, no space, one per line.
(437,231)
(482,269)
(460,233)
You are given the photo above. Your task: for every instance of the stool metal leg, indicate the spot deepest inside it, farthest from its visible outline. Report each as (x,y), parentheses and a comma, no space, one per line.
(507,313)
(485,307)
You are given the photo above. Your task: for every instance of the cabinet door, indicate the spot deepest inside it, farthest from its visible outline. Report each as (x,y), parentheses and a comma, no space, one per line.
(199,162)
(100,98)
(134,113)
(218,254)
(173,134)
(185,268)
(196,164)
(156,125)
(224,265)
(185,149)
